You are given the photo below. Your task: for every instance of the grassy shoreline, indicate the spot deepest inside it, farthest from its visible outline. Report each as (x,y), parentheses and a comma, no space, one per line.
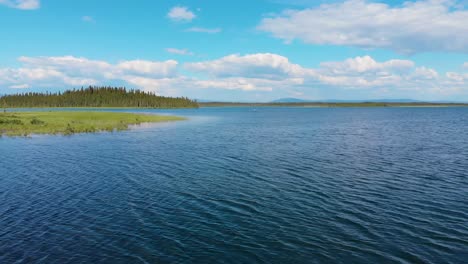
(67,123)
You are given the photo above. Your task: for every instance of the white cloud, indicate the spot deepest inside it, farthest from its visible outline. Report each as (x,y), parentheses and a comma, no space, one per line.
(420,26)
(367,64)
(88,19)
(158,69)
(365,72)
(179,51)
(181,13)
(151,84)
(67,64)
(20,86)
(83,66)
(42,77)
(65,61)
(204,30)
(21,4)
(183,83)
(459,78)
(247,84)
(425,73)
(260,65)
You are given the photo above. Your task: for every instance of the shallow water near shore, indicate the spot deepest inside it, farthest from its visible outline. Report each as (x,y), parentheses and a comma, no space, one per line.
(243,185)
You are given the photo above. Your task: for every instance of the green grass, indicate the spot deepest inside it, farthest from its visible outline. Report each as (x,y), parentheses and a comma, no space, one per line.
(67,123)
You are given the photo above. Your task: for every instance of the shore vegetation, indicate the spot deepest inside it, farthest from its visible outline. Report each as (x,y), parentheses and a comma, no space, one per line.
(67,123)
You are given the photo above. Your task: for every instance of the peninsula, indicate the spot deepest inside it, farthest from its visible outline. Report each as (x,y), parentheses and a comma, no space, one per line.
(24,123)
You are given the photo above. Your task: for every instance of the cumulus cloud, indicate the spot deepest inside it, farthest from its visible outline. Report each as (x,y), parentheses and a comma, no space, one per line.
(204,30)
(159,86)
(181,82)
(22,4)
(155,69)
(67,64)
(181,14)
(179,51)
(420,26)
(42,77)
(248,84)
(365,72)
(367,64)
(425,74)
(84,66)
(261,65)
(456,77)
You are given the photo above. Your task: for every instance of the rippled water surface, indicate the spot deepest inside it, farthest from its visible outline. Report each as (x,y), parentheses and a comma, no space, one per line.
(243,185)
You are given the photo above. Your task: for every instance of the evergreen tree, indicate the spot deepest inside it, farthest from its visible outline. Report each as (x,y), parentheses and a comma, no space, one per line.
(93,96)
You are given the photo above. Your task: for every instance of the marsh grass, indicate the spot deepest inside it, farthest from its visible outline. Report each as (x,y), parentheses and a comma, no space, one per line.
(67,123)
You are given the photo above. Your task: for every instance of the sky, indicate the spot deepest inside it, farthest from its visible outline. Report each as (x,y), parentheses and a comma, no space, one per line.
(255,50)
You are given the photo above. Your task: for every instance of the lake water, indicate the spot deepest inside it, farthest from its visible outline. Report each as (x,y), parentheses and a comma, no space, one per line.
(243,185)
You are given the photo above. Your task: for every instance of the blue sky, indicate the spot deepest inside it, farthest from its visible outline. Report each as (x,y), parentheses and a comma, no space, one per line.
(256,50)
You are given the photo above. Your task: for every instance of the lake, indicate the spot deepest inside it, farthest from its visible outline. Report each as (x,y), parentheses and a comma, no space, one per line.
(243,185)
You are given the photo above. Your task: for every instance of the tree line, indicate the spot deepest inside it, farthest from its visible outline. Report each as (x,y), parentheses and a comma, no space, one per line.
(94,96)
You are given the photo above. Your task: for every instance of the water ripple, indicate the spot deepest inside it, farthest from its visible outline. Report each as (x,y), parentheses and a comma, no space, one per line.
(279,185)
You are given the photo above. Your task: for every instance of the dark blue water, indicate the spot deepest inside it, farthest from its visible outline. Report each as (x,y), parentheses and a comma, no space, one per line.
(239,185)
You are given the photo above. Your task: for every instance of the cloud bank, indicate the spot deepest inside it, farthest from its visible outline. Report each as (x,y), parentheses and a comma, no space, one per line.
(260,72)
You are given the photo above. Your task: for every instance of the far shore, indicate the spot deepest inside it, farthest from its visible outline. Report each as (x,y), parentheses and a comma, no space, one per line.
(330,105)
